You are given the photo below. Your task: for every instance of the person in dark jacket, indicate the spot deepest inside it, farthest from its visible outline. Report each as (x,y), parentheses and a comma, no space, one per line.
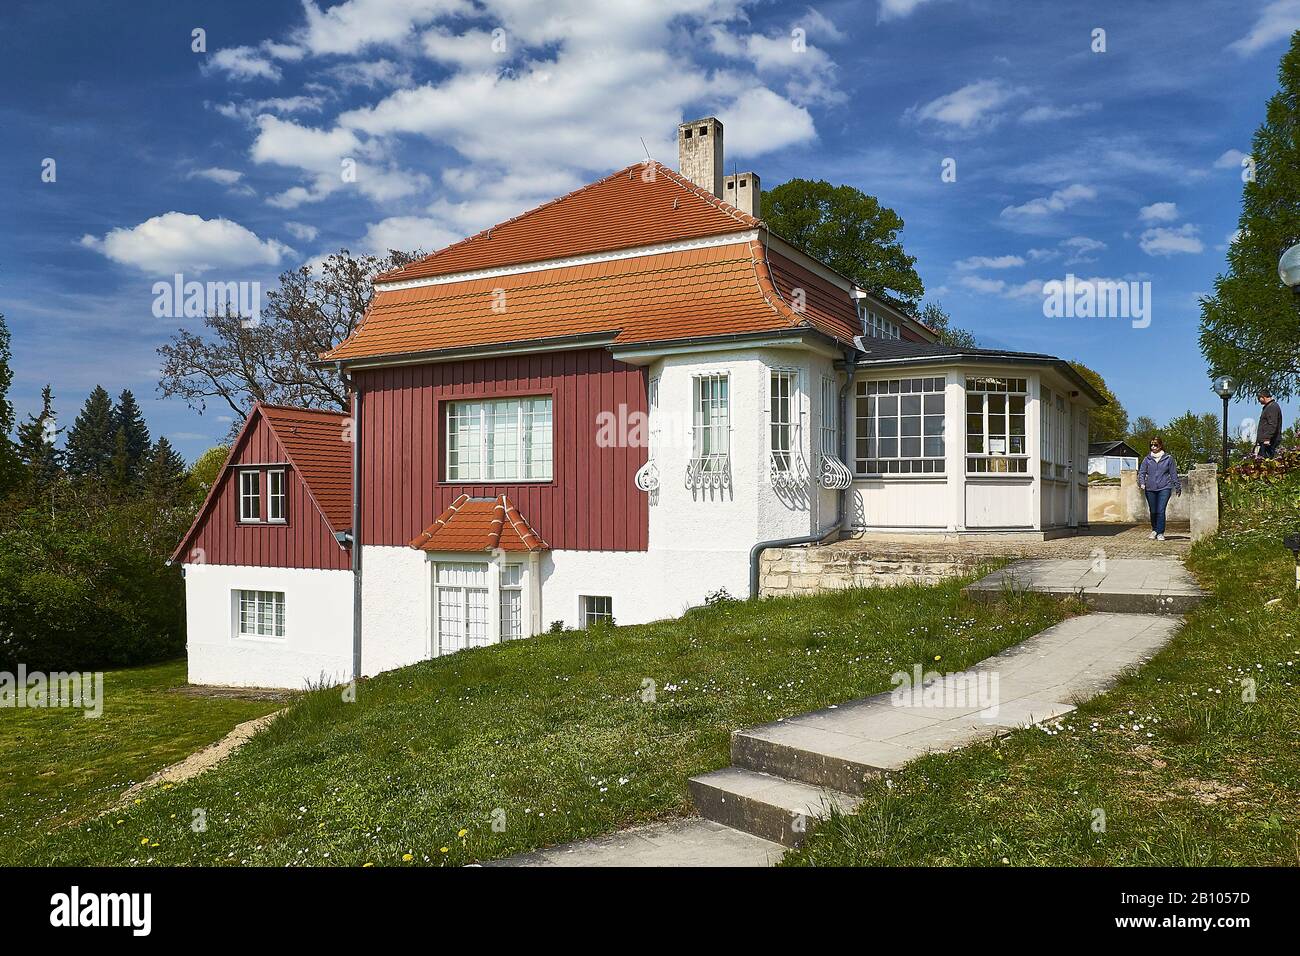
(1269,433)
(1158,477)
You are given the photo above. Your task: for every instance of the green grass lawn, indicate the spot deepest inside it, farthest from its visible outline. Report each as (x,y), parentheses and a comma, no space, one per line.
(1185,771)
(57,766)
(549,737)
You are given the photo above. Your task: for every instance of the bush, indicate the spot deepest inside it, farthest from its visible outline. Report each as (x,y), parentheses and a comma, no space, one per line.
(88,587)
(1261,497)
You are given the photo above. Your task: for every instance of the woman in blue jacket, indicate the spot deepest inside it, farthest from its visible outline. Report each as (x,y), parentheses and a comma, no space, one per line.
(1158,477)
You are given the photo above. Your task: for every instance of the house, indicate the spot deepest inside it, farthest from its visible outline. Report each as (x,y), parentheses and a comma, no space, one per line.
(604,408)
(1109,458)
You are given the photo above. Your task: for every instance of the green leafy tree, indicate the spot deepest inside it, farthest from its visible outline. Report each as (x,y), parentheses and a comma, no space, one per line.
(934,315)
(1194,439)
(37,439)
(10,473)
(1144,429)
(92,440)
(129,420)
(207,468)
(849,231)
(1110,422)
(1250,327)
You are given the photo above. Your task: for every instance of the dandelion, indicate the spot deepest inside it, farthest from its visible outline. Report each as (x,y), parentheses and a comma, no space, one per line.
(406,857)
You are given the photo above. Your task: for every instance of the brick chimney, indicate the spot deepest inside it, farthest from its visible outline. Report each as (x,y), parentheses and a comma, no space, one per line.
(743,191)
(699,153)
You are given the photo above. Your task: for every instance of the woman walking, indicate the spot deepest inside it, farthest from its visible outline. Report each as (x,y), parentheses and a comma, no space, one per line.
(1158,477)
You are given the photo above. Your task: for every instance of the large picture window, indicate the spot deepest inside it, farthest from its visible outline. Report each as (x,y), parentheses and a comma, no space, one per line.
(995,426)
(501,439)
(900,426)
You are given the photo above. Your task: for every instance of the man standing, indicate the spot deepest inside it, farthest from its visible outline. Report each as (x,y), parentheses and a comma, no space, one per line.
(1269,432)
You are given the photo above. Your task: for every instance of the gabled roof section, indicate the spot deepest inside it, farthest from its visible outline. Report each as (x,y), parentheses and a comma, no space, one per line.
(712,290)
(641,205)
(1112,449)
(313,442)
(480,524)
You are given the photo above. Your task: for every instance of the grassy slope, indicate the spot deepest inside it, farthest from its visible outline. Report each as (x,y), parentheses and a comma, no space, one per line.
(1184,770)
(57,766)
(551,731)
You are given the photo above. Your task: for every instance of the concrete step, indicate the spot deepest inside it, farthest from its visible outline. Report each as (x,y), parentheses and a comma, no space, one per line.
(1109,602)
(805,761)
(767,806)
(1117,585)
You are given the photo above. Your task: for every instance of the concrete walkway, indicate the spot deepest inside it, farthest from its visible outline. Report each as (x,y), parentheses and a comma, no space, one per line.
(1126,585)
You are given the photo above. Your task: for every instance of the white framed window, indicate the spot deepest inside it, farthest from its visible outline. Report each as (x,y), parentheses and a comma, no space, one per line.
(900,426)
(782,391)
(596,609)
(879,327)
(995,425)
(1063,436)
(500,439)
(250,496)
(1054,421)
(276,498)
(711,421)
(460,591)
(259,613)
(830,429)
(512,601)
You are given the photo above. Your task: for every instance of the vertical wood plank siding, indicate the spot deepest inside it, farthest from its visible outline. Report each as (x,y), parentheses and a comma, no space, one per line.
(591,503)
(305,541)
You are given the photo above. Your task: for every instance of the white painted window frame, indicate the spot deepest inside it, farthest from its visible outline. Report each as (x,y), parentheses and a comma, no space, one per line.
(276,497)
(254,496)
(711,433)
(585,618)
(260,596)
(782,459)
(1016,464)
(526,457)
(940,460)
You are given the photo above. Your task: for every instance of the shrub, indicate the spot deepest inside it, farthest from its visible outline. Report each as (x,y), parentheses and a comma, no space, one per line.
(1261,497)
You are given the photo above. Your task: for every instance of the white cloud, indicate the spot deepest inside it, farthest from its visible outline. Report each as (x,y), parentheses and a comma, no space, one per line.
(355,25)
(1231,159)
(407,234)
(1045,113)
(471,50)
(1168,241)
(972,263)
(981,284)
(998,287)
(215,174)
(300,230)
(1059,201)
(974,106)
(1041,255)
(1277,21)
(1159,212)
(244,63)
(246,110)
(898,9)
(181,242)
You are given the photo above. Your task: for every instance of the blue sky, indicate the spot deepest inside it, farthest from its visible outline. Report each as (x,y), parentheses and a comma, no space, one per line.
(225,164)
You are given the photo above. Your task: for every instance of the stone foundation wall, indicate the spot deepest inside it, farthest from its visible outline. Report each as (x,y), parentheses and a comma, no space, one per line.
(793,571)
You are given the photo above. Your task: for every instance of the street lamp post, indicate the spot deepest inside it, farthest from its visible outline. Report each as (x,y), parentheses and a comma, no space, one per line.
(1225,388)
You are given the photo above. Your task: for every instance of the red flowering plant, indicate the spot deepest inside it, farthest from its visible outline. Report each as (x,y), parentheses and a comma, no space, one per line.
(1261,496)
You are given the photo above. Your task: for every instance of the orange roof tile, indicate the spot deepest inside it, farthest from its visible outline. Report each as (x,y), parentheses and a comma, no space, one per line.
(713,290)
(316,445)
(641,205)
(480,524)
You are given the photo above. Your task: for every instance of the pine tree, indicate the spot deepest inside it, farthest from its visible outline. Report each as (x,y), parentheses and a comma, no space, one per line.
(128,419)
(92,438)
(163,472)
(10,472)
(1250,327)
(36,442)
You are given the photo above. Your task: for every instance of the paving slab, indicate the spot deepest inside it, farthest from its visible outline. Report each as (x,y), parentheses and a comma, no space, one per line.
(691,841)
(1124,585)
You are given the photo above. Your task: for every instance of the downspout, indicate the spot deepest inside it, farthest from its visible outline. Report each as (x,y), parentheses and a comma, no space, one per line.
(756,552)
(356,524)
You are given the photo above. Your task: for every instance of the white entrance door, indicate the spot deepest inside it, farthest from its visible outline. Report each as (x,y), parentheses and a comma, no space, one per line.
(460,593)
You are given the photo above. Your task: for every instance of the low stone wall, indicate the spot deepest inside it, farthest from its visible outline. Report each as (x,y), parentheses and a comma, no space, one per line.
(792,571)
(1123,502)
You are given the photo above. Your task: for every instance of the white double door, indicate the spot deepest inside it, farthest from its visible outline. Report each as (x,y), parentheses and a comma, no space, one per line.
(464,610)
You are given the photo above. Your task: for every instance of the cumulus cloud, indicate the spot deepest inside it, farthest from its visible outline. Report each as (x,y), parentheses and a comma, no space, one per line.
(247,63)
(1169,241)
(1230,159)
(181,242)
(972,263)
(300,230)
(976,105)
(898,9)
(215,174)
(1159,212)
(407,234)
(1276,21)
(1045,113)
(1044,206)
(356,25)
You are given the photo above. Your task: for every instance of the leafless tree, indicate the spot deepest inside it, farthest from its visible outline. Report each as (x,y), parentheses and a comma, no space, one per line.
(238,362)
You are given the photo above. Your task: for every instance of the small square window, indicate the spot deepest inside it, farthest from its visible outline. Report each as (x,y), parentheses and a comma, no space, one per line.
(597,609)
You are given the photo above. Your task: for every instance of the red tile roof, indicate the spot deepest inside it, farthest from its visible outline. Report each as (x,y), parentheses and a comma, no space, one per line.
(480,524)
(713,290)
(644,204)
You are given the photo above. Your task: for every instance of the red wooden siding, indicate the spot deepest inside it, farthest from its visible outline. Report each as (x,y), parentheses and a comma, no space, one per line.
(305,541)
(591,503)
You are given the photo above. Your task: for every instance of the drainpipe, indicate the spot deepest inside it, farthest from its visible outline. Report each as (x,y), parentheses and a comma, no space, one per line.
(356,524)
(756,552)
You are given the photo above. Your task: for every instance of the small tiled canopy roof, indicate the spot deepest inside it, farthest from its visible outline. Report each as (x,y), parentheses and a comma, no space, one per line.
(480,524)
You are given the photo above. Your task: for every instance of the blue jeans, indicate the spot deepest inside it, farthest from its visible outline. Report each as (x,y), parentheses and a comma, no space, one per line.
(1157,501)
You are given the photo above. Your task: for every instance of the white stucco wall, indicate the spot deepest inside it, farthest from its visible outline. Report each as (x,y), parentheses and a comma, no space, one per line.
(317,645)
(395,594)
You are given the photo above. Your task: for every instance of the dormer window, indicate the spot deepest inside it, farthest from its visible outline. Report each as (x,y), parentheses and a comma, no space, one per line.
(276,499)
(250,496)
